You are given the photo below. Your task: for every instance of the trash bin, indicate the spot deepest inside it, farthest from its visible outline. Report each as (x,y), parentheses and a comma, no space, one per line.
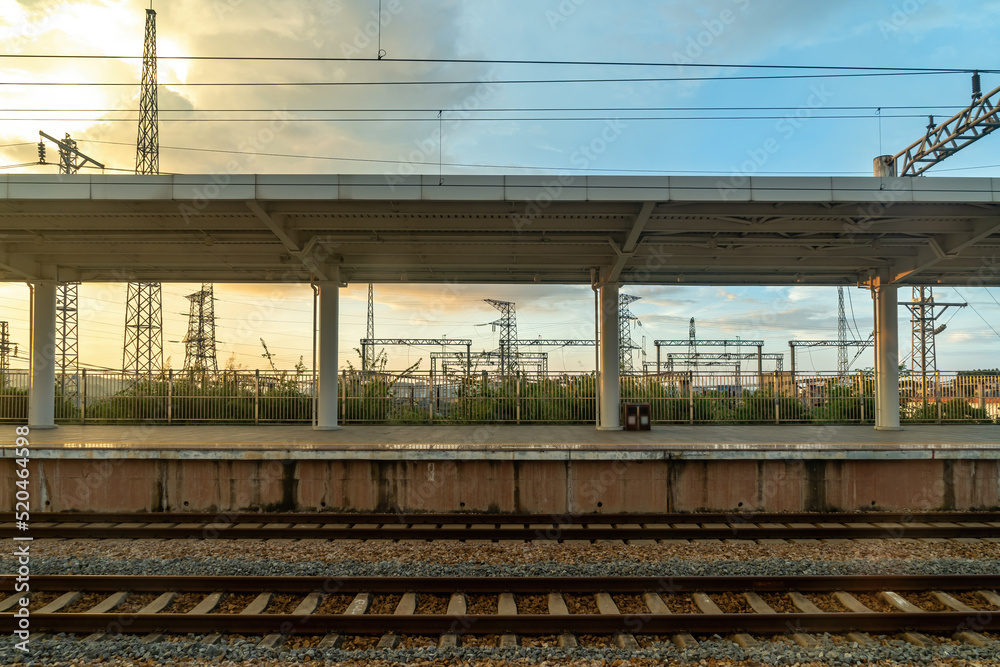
(636,416)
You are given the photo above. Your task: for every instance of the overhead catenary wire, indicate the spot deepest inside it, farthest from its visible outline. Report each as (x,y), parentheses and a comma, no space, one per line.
(494,109)
(474,82)
(15,166)
(467,119)
(976,311)
(501,61)
(300,156)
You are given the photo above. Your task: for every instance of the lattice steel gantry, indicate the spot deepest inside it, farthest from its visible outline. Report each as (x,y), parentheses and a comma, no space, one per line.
(199,343)
(924,314)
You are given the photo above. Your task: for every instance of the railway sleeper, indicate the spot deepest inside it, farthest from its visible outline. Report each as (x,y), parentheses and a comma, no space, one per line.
(359,605)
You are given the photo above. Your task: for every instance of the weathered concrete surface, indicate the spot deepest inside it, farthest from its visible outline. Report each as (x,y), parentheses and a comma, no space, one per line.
(532,486)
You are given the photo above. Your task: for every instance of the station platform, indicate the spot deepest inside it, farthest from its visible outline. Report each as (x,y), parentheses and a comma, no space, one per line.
(546,469)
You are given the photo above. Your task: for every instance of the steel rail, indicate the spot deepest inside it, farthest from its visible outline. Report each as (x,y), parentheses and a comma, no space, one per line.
(532,585)
(484,518)
(526,624)
(431,532)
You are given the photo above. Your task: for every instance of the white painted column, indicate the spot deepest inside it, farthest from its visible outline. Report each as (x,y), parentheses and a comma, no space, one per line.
(608,386)
(886,359)
(329,333)
(42,394)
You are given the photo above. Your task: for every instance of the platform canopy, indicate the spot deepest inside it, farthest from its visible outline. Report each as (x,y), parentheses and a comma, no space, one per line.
(501,229)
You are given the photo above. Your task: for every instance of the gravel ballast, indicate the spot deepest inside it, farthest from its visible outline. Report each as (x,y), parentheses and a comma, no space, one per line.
(259,558)
(132,650)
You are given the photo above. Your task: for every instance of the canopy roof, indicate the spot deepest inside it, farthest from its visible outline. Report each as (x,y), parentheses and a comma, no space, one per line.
(500,229)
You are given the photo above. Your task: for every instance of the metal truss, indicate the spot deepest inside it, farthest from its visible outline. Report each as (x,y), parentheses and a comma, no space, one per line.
(199,343)
(143,351)
(68,338)
(942,141)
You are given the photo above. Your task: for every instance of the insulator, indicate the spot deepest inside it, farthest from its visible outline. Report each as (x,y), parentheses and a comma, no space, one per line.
(940,329)
(930,123)
(977,87)
(41,152)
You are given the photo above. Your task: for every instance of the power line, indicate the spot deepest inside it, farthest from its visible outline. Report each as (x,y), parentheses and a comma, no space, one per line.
(929,107)
(977,313)
(992,297)
(461,164)
(476,82)
(490,119)
(497,61)
(15,166)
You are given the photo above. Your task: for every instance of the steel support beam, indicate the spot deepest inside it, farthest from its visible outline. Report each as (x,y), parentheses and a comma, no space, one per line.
(329,320)
(609,388)
(42,393)
(886,358)
(627,251)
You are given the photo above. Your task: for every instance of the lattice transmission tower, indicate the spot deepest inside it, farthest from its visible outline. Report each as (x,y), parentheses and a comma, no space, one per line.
(508,336)
(692,344)
(5,347)
(368,353)
(143,351)
(147,157)
(143,329)
(199,343)
(67,338)
(843,363)
(924,314)
(625,343)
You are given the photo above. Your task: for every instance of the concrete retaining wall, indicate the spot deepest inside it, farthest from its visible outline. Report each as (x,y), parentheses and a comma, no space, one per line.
(531,486)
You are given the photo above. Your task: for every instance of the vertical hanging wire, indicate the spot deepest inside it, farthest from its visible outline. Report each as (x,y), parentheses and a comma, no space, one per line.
(381,53)
(441,147)
(878,113)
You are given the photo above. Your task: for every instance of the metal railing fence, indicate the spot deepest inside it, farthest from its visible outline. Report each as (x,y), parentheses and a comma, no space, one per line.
(413,397)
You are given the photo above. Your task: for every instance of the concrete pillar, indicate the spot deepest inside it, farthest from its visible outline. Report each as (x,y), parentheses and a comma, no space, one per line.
(329,332)
(610,391)
(41,395)
(885,166)
(886,359)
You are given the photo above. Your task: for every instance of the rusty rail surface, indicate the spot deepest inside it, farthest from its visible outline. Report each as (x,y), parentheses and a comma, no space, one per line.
(333,526)
(526,624)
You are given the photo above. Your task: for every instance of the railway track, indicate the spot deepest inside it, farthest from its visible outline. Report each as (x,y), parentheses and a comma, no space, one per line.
(443,610)
(635,528)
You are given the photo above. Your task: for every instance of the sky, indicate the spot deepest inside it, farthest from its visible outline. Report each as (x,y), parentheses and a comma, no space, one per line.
(710,123)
